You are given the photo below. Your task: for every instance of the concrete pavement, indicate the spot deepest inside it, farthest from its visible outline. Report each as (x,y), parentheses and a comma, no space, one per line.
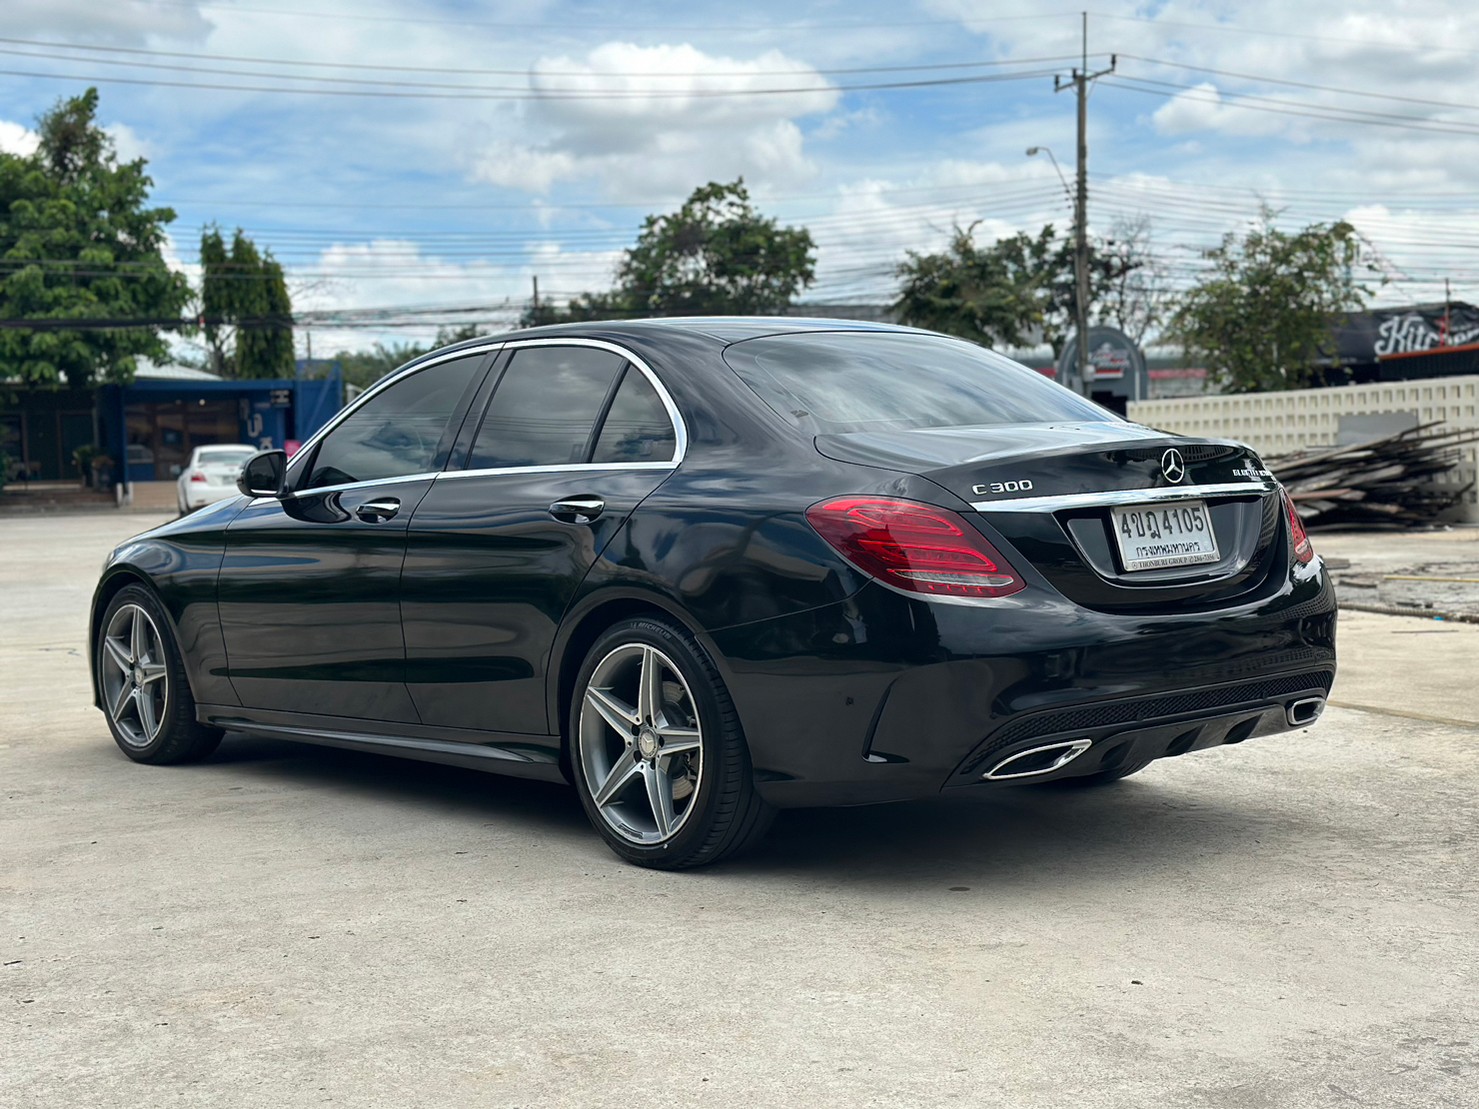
(1291,922)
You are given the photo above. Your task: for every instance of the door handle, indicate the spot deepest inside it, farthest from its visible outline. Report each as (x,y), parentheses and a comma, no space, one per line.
(577,510)
(376,512)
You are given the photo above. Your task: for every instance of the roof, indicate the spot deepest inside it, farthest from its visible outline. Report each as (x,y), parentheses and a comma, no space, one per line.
(722,329)
(148,371)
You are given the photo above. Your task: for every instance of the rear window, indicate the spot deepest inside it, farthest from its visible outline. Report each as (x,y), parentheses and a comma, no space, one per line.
(828,382)
(226,454)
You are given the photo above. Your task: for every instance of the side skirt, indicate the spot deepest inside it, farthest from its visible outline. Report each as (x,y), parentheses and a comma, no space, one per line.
(521,756)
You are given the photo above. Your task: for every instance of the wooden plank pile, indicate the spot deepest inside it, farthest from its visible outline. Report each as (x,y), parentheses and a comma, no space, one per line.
(1382,482)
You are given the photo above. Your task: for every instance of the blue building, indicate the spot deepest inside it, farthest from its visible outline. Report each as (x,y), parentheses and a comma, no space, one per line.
(148,428)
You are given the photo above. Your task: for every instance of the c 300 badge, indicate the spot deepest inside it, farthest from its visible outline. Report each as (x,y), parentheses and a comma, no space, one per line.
(998,487)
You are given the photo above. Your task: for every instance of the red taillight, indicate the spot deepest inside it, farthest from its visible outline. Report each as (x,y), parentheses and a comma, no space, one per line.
(197,476)
(915,547)
(1304,550)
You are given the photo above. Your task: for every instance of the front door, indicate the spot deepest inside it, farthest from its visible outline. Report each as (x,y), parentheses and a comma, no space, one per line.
(308,589)
(573,438)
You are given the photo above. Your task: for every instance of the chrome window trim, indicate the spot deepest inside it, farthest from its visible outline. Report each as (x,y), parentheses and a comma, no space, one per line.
(680,429)
(569,467)
(375,390)
(1058,501)
(319,489)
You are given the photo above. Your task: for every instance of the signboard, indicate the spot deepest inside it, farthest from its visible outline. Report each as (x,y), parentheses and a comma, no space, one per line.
(1116,363)
(281,398)
(1379,333)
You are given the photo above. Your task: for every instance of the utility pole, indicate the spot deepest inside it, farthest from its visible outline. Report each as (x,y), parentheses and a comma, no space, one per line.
(536,296)
(1079,82)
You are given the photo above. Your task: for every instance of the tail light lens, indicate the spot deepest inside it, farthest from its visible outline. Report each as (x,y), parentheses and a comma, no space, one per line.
(914,547)
(197,476)
(1304,550)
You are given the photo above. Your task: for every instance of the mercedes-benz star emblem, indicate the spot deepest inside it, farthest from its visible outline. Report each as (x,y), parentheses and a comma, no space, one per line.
(1172,466)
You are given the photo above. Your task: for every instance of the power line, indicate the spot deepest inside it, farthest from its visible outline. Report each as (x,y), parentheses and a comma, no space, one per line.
(526,71)
(1251,102)
(473,92)
(1369,43)
(1305,84)
(339,16)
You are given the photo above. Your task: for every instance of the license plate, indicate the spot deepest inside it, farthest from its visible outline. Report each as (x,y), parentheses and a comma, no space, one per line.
(1153,536)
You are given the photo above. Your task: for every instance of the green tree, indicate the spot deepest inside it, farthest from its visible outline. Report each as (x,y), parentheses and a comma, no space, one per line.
(1262,318)
(365,367)
(716,255)
(245,308)
(995,295)
(80,245)
(1016,289)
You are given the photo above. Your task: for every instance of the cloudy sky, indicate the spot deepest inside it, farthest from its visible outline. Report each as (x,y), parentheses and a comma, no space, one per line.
(415,163)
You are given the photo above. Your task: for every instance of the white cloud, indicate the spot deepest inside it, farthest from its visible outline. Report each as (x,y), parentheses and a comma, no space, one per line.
(88,21)
(1203,109)
(604,128)
(523,167)
(127,142)
(17,139)
(402,272)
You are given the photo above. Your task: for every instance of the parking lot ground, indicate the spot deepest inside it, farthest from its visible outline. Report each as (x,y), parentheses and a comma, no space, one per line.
(1291,922)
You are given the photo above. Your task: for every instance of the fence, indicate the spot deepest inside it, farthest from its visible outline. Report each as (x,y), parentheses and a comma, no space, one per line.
(1277,423)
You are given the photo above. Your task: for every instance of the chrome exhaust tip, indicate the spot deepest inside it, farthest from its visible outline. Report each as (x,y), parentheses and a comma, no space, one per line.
(1038,760)
(1304,711)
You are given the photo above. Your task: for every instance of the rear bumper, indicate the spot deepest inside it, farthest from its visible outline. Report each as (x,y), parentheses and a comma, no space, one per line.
(885,698)
(198,496)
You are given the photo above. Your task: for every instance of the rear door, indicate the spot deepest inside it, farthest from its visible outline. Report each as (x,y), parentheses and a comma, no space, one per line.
(575,435)
(307,591)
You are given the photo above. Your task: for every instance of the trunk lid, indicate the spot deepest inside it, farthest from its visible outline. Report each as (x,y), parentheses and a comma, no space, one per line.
(1052,491)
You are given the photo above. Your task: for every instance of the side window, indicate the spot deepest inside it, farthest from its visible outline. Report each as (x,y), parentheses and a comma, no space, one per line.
(399,431)
(544,407)
(637,429)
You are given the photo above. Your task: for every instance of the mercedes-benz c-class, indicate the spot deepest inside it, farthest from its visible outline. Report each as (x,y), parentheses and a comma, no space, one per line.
(704,569)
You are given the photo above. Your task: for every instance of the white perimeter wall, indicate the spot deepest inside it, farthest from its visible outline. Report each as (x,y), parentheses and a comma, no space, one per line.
(1277,423)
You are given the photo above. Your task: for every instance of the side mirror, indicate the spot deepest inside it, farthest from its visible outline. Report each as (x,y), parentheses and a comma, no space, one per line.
(264,474)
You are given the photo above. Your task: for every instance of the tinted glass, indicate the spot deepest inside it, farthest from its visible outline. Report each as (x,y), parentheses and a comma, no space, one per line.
(544,408)
(851,381)
(398,431)
(637,428)
(218,456)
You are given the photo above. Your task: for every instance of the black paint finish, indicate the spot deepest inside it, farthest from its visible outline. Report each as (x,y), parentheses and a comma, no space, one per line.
(451,628)
(309,603)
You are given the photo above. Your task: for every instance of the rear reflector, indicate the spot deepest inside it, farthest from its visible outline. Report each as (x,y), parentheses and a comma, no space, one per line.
(1304,550)
(918,548)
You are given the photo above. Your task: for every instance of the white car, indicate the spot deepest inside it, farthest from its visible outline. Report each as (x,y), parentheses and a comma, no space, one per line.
(210,475)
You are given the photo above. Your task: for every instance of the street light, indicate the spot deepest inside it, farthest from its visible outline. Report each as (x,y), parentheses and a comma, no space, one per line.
(1033,151)
(1077,375)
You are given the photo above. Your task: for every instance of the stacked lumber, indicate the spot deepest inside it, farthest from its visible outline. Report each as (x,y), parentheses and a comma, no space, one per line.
(1382,482)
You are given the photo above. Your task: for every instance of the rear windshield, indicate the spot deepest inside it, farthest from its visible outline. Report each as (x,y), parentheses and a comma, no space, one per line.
(226,454)
(839,381)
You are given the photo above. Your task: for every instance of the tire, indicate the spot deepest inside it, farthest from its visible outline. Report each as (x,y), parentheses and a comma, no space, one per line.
(142,686)
(654,735)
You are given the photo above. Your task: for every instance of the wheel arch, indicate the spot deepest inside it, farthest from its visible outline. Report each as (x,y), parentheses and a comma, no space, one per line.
(585,626)
(118,578)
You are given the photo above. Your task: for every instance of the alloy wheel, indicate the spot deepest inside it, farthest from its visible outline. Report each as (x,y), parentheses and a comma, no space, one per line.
(641,747)
(134,675)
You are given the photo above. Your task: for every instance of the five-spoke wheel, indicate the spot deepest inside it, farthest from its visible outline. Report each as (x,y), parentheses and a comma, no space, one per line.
(142,686)
(659,759)
(641,746)
(133,675)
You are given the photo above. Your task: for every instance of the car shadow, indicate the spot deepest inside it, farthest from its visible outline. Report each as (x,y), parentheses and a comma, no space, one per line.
(1002,836)
(1024,835)
(551,806)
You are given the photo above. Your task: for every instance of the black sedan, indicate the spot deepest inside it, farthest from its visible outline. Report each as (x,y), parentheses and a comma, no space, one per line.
(708,568)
